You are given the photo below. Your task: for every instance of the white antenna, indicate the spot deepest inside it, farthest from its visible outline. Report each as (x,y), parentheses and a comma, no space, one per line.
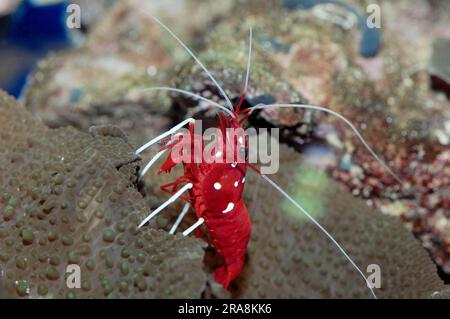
(319,108)
(249,58)
(278,188)
(230,105)
(191,94)
(166,203)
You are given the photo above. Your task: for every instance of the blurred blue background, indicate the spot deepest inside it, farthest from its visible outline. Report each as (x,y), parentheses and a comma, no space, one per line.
(28,31)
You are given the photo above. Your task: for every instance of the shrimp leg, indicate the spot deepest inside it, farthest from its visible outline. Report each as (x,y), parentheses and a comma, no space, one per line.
(193,227)
(166,203)
(163,135)
(180,218)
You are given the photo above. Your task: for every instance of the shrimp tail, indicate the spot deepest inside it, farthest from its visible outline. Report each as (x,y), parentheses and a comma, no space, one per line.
(230,235)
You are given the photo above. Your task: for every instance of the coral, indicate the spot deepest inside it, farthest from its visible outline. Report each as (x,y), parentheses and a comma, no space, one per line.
(443,294)
(297,58)
(70,198)
(289,258)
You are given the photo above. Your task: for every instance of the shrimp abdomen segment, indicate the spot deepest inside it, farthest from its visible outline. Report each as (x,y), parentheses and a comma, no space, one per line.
(230,234)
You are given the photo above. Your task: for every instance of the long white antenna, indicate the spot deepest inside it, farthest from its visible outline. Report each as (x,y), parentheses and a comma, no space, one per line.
(230,105)
(322,109)
(249,59)
(191,94)
(166,203)
(278,188)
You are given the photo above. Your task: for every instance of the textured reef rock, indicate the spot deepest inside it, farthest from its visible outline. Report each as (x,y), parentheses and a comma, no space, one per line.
(70,198)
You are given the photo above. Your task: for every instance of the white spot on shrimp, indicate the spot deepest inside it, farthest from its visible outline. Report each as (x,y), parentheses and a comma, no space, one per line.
(233,165)
(236,184)
(243,180)
(218,154)
(229,208)
(217,186)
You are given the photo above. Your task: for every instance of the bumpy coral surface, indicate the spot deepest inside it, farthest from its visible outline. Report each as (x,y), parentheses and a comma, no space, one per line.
(69,198)
(289,257)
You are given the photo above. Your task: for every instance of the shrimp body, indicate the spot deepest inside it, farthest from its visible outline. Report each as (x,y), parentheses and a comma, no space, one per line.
(226,216)
(215,187)
(216,194)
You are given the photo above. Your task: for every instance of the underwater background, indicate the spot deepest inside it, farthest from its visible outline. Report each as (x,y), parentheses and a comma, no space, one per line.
(74,108)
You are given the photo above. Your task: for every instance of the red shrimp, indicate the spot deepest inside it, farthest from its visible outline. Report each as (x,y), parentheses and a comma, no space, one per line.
(215,188)
(216,194)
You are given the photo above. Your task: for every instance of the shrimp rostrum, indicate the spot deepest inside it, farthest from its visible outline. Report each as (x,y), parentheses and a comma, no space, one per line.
(214,175)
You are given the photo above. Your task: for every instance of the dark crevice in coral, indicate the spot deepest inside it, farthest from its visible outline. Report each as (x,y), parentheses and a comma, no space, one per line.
(444,276)
(288,134)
